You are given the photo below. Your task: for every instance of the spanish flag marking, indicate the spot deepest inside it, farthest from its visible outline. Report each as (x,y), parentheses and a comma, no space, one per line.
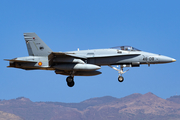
(39,63)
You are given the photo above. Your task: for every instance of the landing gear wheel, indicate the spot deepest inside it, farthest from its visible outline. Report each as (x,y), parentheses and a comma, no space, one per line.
(70,84)
(120,79)
(70,81)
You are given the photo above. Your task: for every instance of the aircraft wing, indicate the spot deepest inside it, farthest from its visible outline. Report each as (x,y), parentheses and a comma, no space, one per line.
(74,55)
(54,55)
(62,54)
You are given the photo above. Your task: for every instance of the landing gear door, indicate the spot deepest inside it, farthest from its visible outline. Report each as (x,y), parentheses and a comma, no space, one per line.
(91,59)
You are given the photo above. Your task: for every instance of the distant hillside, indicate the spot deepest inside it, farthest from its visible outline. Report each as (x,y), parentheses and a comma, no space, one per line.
(175,99)
(87,103)
(8,116)
(132,107)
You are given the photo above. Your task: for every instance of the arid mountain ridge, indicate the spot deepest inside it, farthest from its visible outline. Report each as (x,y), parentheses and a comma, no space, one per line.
(133,107)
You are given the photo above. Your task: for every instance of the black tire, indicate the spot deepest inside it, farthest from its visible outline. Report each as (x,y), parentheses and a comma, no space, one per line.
(120,78)
(70,84)
(69,79)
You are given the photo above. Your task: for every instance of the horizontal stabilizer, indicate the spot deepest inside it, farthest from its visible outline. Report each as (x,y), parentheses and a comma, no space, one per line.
(13,60)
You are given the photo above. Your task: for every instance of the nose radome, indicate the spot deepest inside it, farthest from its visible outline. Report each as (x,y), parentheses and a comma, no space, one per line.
(173,60)
(166,59)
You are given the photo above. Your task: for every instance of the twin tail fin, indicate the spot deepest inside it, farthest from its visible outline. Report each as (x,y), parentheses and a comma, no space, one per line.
(35,46)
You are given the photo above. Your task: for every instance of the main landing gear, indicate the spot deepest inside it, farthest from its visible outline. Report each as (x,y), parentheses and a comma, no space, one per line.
(70,81)
(120,71)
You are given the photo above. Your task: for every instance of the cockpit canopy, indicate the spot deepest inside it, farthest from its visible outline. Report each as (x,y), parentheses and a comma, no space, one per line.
(127,48)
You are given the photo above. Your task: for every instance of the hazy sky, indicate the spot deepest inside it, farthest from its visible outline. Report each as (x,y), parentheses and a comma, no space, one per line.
(149,25)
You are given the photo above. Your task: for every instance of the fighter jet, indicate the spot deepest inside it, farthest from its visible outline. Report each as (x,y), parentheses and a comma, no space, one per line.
(82,62)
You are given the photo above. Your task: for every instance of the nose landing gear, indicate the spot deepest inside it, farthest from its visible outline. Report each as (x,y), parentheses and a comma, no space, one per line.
(120,78)
(120,71)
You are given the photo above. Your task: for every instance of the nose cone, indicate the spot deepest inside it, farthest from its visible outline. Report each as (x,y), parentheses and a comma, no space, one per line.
(165,59)
(173,60)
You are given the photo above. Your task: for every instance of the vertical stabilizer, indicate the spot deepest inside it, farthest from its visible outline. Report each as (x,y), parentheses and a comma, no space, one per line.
(35,46)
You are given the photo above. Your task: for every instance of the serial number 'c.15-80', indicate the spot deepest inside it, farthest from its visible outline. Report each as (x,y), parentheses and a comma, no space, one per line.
(82,62)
